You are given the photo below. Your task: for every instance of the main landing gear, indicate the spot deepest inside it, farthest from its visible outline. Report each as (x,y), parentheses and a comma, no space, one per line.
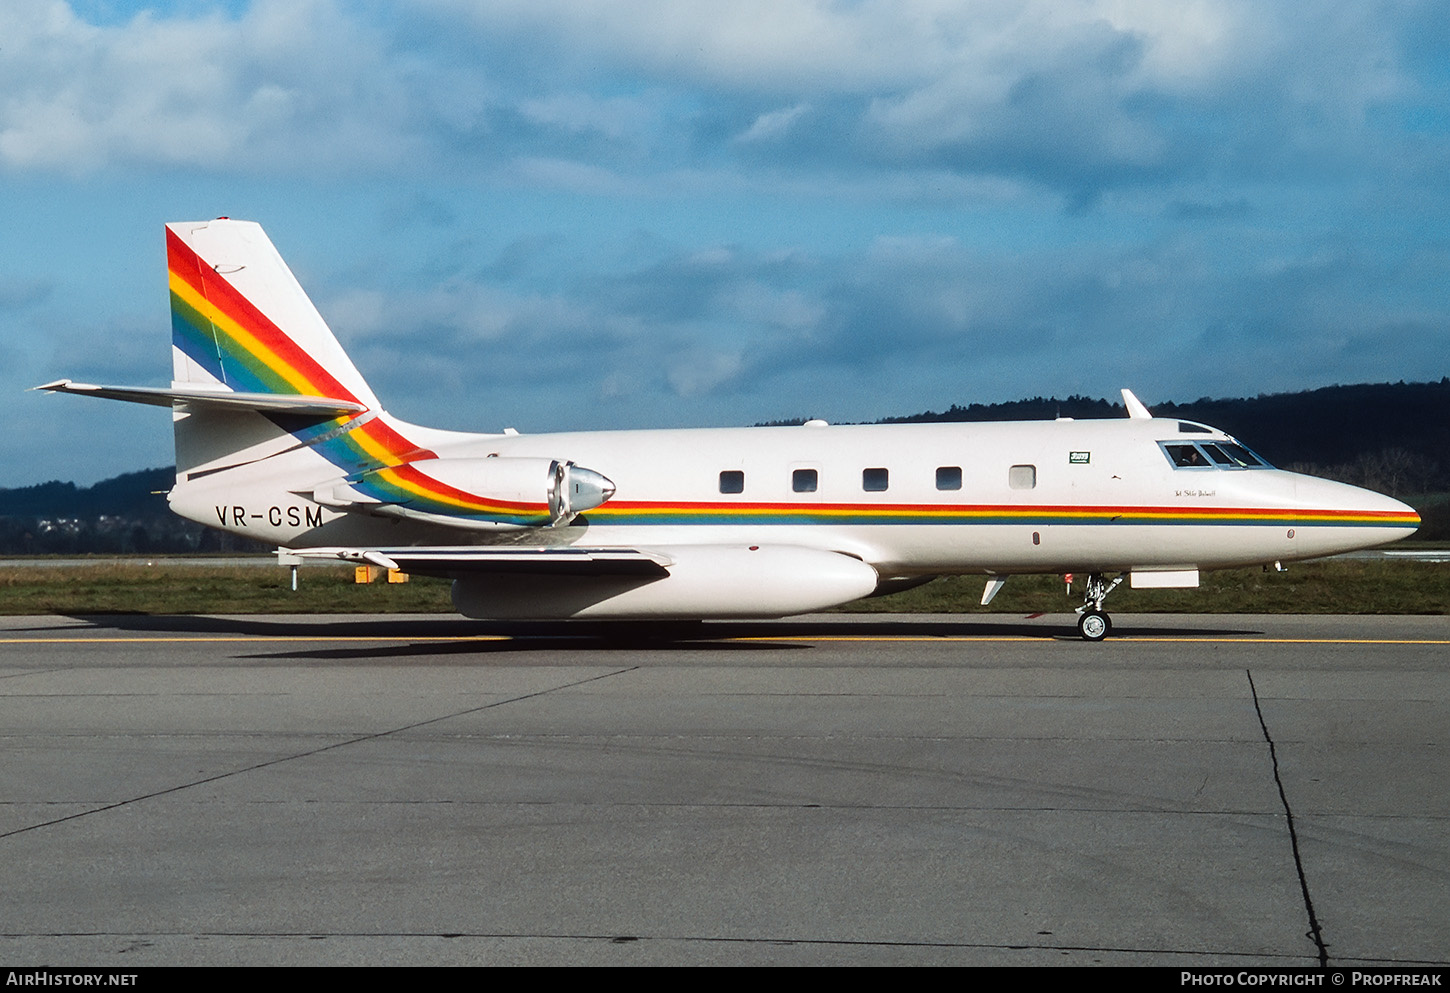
(1093,622)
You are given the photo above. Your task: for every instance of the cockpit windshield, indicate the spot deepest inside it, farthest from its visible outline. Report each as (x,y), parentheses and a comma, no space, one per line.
(1211,455)
(1243,456)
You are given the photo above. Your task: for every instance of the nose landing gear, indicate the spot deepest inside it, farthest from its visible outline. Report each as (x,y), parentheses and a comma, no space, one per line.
(1094,625)
(1093,622)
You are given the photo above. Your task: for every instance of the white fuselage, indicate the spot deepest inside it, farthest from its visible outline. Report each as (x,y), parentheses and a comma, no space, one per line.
(1089,495)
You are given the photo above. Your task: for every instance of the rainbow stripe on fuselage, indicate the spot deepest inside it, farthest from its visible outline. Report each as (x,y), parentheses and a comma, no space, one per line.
(630,513)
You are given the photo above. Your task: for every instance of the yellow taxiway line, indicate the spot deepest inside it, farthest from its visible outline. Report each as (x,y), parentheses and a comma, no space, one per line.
(876,638)
(1114,639)
(255,638)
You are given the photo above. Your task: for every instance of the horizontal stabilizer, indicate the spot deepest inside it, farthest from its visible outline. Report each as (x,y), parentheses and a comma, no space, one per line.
(267,403)
(445,560)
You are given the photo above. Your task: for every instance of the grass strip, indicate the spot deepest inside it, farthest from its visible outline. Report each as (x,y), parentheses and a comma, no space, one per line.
(1337,586)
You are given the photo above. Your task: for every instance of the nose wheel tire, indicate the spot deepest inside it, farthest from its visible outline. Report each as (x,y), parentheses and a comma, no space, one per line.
(1093,625)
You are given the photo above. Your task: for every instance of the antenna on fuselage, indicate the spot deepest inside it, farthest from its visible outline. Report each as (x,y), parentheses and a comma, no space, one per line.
(1135,406)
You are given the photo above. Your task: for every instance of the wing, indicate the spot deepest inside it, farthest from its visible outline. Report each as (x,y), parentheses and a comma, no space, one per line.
(674,582)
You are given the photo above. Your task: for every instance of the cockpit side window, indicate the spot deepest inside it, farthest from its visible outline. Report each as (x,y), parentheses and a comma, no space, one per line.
(1186,456)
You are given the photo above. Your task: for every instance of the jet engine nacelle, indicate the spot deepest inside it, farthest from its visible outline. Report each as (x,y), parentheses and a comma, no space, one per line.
(702,581)
(480,493)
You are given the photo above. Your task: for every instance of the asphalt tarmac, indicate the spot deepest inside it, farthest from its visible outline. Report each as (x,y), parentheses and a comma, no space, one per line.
(846,789)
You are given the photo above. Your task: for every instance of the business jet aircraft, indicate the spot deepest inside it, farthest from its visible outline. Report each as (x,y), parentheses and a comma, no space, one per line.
(279,438)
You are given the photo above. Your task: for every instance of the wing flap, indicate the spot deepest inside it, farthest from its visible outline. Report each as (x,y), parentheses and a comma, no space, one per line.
(451,560)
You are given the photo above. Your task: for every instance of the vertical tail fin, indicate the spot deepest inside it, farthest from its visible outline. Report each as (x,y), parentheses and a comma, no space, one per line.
(257,374)
(241,322)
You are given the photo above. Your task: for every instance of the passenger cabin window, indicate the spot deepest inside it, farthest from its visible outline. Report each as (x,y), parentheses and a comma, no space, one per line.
(732,481)
(874,480)
(803,480)
(1022,477)
(948,477)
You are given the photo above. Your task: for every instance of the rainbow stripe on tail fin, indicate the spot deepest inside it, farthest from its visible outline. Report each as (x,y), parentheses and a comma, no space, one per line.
(241,322)
(242,326)
(264,399)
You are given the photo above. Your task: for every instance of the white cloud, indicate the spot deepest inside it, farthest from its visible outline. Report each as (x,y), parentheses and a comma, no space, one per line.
(753,303)
(582,113)
(870,46)
(775,123)
(616,98)
(749,44)
(1076,95)
(288,84)
(701,371)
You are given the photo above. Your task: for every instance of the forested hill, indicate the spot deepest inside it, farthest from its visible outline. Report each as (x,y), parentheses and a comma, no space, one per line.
(126,515)
(1337,424)
(1394,437)
(135,494)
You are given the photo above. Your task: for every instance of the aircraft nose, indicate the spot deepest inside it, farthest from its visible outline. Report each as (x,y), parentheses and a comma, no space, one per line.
(1407,514)
(1392,513)
(1396,507)
(1363,517)
(1329,494)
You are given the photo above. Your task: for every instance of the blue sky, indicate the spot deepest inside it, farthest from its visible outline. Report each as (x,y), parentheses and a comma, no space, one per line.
(561,213)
